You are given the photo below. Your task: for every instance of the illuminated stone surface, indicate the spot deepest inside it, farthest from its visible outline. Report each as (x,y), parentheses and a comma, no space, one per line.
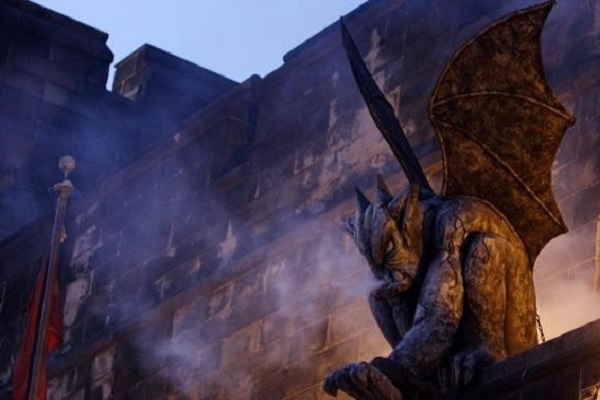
(204,258)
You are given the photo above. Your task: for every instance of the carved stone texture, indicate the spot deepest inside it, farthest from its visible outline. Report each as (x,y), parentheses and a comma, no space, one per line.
(456,289)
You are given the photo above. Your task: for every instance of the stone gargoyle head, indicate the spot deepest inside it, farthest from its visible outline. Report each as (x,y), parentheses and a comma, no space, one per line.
(388,232)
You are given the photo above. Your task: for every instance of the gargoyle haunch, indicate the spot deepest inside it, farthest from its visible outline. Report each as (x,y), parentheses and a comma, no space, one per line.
(456,289)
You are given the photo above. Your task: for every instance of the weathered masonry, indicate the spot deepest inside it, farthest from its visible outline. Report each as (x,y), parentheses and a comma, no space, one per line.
(204,257)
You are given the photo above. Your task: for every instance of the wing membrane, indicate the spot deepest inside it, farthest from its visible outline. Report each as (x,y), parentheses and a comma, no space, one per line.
(500,125)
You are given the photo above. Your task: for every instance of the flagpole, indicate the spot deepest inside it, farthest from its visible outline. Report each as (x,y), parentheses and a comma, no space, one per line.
(64,189)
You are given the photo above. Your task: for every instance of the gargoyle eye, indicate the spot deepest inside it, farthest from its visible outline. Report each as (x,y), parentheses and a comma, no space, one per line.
(390,247)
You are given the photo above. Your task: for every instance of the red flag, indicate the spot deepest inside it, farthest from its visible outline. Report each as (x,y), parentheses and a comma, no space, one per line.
(23,364)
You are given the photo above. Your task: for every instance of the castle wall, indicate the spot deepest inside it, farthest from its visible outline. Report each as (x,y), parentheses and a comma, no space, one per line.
(211,263)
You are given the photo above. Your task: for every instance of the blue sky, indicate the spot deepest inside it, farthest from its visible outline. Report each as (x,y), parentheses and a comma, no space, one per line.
(235,38)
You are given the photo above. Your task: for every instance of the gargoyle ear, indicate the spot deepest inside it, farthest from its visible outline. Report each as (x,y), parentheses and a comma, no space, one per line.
(384,195)
(397,205)
(361,201)
(403,202)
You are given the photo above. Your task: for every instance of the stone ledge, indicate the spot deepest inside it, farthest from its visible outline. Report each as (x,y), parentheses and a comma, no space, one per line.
(57,28)
(54,17)
(564,363)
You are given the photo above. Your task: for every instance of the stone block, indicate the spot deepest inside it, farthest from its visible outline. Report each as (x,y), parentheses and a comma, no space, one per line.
(104,259)
(350,320)
(250,285)
(208,333)
(275,155)
(190,315)
(581,140)
(220,301)
(372,343)
(586,205)
(256,309)
(45,69)
(34,42)
(278,200)
(309,341)
(241,343)
(270,358)
(132,295)
(576,176)
(251,366)
(180,277)
(306,374)
(153,388)
(192,363)
(70,58)
(70,385)
(57,95)
(224,319)
(23,81)
(145,239)
(277,325)
(304,269)
(128,371)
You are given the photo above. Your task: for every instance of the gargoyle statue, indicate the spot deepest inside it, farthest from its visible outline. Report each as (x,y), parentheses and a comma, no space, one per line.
(456,289)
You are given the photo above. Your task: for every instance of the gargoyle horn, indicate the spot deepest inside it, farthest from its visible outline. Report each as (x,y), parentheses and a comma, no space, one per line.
(361,200)
(383,115)
(384,195)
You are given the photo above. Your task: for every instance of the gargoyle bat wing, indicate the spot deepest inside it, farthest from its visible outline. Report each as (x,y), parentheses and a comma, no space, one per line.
(497,120)
(500,126)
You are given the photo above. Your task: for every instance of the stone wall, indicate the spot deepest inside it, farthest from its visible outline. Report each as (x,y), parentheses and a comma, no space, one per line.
(52,99)
(211,264)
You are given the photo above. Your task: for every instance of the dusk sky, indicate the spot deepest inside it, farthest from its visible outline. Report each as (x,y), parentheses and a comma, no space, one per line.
(235,38)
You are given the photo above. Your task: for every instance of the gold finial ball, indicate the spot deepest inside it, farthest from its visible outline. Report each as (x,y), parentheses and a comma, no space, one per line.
(66,164)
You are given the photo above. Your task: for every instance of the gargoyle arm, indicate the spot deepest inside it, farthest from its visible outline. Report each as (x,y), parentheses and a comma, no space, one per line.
(440,305)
